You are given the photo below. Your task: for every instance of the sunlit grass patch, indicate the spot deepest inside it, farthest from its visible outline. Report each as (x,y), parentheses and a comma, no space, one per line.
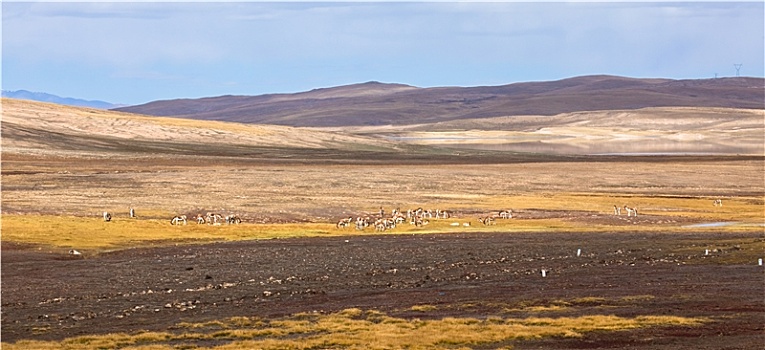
(744,208)
(92,233)
(589,301)
(95,234)
(566,306)
(359,329)
(423,308)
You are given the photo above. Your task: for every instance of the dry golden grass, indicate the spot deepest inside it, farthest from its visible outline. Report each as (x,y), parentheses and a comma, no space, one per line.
(88,233)
(359,329)
(95,234)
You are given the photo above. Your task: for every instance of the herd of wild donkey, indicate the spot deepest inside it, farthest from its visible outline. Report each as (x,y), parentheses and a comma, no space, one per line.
(210,218)
(416,217)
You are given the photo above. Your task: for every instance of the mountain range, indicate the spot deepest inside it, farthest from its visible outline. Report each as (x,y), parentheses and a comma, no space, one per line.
(67,101)
(375,103)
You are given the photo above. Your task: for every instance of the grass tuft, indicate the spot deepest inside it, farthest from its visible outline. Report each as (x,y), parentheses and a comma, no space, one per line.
(359,329)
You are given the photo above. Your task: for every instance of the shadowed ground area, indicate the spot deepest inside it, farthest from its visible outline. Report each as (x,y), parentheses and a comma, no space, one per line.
(427,276)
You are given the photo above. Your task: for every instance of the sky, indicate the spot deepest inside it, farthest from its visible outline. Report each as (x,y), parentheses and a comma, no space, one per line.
(137,52)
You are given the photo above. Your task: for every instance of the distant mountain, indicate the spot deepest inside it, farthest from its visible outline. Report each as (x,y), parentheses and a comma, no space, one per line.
(375,103)
(43,97)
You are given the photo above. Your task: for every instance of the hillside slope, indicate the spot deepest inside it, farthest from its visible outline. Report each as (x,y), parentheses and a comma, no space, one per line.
(656,130)
(375,103)
(45,128)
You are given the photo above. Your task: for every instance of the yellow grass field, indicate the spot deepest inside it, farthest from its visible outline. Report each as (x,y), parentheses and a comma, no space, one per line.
(359,329)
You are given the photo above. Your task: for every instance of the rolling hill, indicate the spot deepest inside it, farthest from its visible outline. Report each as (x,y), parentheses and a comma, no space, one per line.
(31,127)
(375,103)
(42,128)
(578,116)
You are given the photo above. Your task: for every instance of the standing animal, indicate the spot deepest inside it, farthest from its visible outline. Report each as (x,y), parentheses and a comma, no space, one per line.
(344,222)
(233,219)
(107,216)
(213,218)
(487,220)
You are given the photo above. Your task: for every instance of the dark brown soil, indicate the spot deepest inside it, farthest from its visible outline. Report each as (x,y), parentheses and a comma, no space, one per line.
(52,296)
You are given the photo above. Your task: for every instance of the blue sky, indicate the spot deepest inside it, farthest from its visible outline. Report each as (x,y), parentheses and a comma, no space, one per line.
(136,52)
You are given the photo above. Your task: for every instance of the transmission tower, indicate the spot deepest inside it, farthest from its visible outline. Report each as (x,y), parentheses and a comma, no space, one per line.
(738,67)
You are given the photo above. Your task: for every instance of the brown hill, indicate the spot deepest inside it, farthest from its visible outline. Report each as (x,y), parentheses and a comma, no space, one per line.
(376,103)
(31,127)
(48,129)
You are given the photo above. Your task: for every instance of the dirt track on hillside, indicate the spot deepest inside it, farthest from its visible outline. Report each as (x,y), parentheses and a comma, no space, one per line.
(53,296)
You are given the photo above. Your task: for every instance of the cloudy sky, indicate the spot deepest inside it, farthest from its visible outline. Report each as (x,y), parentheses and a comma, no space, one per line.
(136,52)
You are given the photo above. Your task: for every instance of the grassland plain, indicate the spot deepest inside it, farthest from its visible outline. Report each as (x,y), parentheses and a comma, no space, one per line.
(288,278)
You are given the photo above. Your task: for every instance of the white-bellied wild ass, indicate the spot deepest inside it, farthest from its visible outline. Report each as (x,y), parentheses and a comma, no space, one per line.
(233,219)
(177,220)
(214,219)
(487,220)
(345,222)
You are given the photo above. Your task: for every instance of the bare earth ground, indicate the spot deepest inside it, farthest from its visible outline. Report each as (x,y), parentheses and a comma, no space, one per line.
(49,296)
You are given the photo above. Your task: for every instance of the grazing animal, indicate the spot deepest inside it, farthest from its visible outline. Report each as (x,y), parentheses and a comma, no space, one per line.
(132,213)
(200,219)
(177,220)
(361,223)
(717,203)
(380,225)
(345,222)
(213,218)
(617,210)
(506,214)
(442,214)
(631,211)
(107,216)
(487,220)
(418,221)
(233,219)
